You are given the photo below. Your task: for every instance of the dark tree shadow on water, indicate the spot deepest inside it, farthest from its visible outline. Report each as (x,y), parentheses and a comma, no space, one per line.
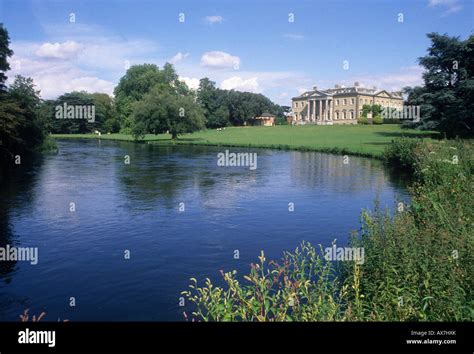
(16,182)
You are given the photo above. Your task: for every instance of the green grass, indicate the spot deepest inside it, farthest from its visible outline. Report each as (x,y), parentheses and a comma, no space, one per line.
(364,140)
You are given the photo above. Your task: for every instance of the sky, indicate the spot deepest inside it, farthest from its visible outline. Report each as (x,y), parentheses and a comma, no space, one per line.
(277,48)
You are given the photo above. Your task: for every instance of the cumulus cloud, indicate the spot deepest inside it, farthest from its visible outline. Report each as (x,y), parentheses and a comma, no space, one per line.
(68,49)
(239,84)
(178,57)
(192,82)
(395,81)
(54,80)
(89,61)
(220,60)
(213,19)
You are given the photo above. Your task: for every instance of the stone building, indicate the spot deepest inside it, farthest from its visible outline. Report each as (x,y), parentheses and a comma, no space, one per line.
(265,119)
(340,105)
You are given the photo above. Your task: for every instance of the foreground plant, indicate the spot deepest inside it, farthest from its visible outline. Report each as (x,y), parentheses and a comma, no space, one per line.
(418,264)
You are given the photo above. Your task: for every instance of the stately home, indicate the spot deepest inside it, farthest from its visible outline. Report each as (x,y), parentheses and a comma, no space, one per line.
(340,105)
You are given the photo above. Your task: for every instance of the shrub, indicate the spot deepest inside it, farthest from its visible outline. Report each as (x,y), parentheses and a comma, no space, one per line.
(377,120)
(417,268)
(362,120)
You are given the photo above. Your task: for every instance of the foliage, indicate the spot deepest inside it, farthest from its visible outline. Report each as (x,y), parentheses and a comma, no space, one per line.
(447,97)
(138,81)
(363,120)
(5,52)
(377,120)
(161,111)
(300,288)
(404,153)
(417,268)
(22,130)
(224,107)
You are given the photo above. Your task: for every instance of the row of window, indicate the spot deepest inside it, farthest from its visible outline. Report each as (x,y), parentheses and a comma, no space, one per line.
(344,115)
(362,102)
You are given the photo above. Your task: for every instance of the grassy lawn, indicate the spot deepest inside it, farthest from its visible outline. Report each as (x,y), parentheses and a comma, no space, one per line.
(365,140)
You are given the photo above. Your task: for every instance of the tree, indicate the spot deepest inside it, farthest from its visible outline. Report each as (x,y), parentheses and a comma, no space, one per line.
(162,111)
(447,98)
(74,125)
(5,52)
(106,114)
(140,80)
(21,128)
(213,103)
(24,93)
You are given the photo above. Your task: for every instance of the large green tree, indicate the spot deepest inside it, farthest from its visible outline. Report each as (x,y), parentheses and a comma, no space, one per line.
(137,82)
(163,110)
(5,53)
(213,103)
(447,98)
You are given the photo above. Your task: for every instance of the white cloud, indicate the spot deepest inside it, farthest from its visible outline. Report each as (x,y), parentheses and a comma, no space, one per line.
(68,49)
(88,61)
(213,19)
(294,36)
(178,57)
(220,60)
(450,6)
(239,84)
(192,82)
(62,77)
(406,76)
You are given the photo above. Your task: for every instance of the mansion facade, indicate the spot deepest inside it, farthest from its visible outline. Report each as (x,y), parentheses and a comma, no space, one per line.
(340,105)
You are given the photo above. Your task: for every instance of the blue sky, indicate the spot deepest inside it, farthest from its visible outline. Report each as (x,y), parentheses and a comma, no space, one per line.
(245,45)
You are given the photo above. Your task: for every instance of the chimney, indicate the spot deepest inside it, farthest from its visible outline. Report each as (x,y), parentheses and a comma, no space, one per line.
(356,84)
(375,88)
(337,86)
(315,88)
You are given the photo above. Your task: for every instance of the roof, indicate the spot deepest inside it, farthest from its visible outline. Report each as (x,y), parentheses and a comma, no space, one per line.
(346,91)
(266,115)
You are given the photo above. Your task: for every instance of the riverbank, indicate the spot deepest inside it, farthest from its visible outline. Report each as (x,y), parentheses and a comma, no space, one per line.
(360,140)
(418,264)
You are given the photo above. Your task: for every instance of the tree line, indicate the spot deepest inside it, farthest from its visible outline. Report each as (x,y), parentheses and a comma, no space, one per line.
(150,100)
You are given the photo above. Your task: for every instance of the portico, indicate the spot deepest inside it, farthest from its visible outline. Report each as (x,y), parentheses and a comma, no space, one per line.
(319,109)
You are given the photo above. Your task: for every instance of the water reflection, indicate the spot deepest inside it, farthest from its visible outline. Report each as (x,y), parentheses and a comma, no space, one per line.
(134,207)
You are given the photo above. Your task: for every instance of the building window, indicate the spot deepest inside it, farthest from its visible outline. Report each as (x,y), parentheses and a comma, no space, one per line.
(352,101)
(352,114)
(344,115)
(337,102)
(337,115)
(344,101)
(296,104)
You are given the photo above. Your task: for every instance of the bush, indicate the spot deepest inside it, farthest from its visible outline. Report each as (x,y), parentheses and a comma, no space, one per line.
(417,268)
(362,120)
(377,120)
